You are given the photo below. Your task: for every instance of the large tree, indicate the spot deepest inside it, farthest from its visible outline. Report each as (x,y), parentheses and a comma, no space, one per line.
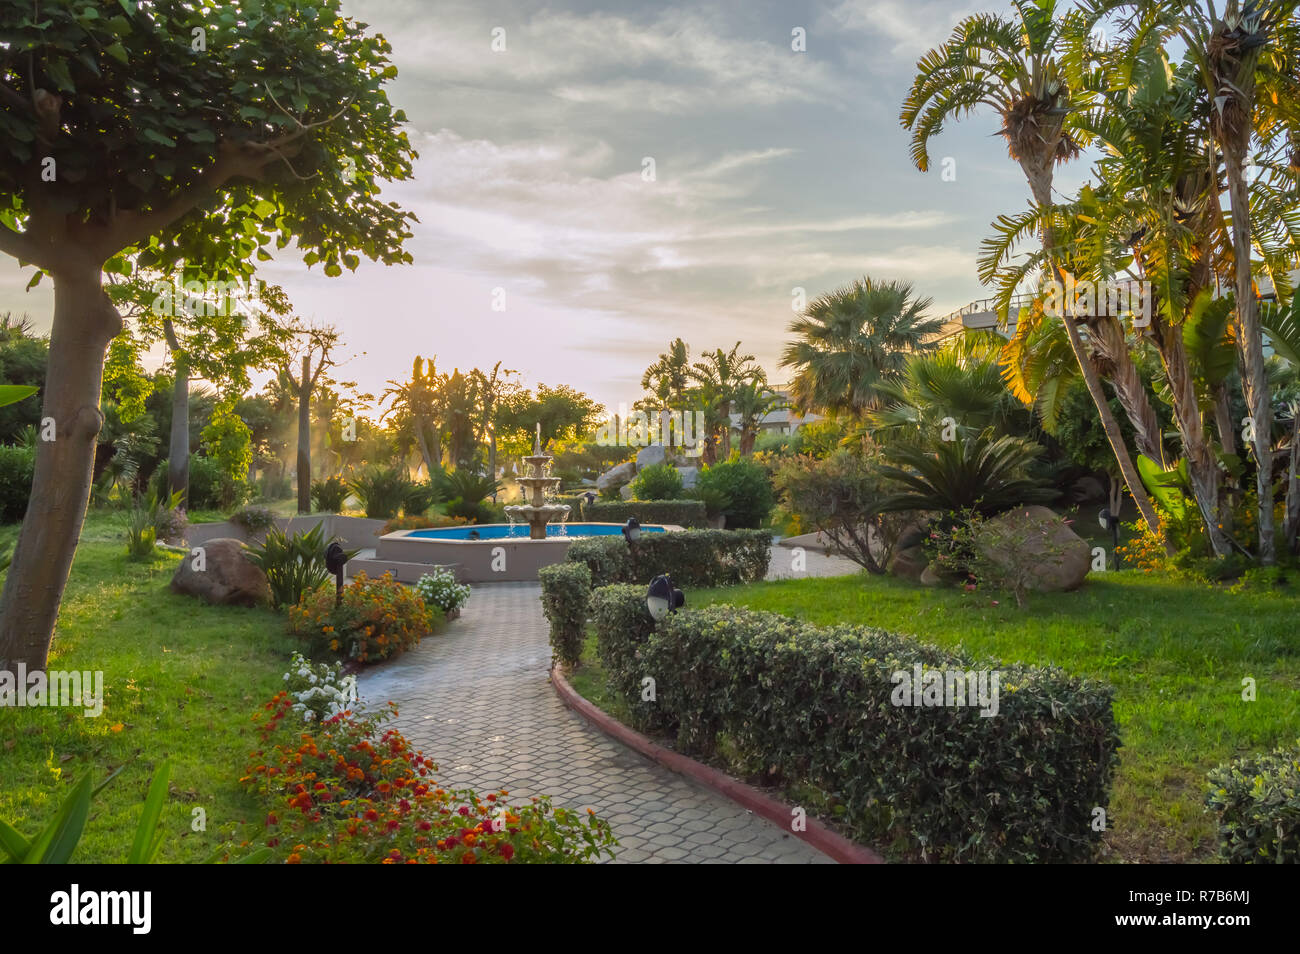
(313,348)
(177,132)
(1014,67)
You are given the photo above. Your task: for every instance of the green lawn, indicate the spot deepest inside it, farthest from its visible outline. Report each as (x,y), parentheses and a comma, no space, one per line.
(181,680)
(1175,651)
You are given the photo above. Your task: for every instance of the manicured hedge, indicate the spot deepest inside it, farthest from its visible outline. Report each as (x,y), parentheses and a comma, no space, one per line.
(785,701)
(690,557)
(683,513)
(1257,800)
(566,596)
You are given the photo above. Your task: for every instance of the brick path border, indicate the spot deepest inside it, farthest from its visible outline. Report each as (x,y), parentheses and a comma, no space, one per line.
(817,836)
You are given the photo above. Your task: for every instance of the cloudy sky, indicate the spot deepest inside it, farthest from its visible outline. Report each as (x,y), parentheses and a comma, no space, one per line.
(772,169)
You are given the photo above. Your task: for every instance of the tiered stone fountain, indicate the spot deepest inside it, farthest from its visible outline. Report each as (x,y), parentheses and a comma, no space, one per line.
(537,513)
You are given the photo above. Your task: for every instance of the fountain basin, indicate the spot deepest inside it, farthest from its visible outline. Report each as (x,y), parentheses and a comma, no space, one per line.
(502,553)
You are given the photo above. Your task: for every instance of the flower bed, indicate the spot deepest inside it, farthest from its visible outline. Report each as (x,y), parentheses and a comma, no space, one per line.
(378,619)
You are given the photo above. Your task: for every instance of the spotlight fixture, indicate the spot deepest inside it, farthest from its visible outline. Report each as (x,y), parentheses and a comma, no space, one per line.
(663,598)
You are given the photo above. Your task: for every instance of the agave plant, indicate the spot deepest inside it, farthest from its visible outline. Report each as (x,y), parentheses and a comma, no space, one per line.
(294,565)
(983,474)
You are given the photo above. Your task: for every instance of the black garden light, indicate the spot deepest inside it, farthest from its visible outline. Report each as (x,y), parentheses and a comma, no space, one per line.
(1110,522)
(633,530)
(663,598)
(336,558)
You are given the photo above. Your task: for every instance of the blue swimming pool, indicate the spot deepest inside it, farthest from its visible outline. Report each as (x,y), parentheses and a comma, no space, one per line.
(502,531)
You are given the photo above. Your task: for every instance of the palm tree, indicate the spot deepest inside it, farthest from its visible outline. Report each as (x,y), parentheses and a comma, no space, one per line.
(1014,67)
(979,473)
(669,378)
(752,401)
(850,342)
(417,400)
(718,376)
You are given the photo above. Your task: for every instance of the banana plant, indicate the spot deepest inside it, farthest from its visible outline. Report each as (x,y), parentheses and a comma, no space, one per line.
(13,393)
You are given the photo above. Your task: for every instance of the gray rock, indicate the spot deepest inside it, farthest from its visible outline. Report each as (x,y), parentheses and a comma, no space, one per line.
(908,563)
(625,491)
(1037,538)
(649,456)
(689,475)
(617,476)
(222,574)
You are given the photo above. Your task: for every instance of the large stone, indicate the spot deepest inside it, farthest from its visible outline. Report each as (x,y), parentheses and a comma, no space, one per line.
(625,491)
(1055,557)
(689,476)
(617,476)
(222,574)
(909,563)
(651,455)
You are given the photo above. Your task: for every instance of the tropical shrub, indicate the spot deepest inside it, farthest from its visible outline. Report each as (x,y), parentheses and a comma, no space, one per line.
(419,522)
(253,520)
(842,496)
(319,692)
(329,495)
(1257,803)
(980,473)
(439,588)
(211,488)
(690,557)
(347,790)
(566,596)
(746,487)
(383,491)
(227,443)
(623,626)
(657,482)
(1000,555)
(17,467)
(1012,776)
(681,513)
(141,530)
(171,522)
(465,492)
(376,619)
(294,565)
(421,496)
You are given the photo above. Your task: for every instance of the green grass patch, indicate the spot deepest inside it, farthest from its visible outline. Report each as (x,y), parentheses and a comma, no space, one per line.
(1176,652)
(181,680)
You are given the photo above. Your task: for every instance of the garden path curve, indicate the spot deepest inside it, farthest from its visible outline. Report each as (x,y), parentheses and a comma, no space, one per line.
(477,699)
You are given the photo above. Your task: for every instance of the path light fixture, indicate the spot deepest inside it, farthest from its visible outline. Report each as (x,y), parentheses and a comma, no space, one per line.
(633,530)
(336,558)
(663,598)
(1110,522)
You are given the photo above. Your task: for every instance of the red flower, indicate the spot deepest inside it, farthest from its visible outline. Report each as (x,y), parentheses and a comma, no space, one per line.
(507,851)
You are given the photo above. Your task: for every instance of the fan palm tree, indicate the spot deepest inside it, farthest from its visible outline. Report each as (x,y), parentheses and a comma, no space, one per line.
(1015,67)
(752,401)
(719,374)
(853,340)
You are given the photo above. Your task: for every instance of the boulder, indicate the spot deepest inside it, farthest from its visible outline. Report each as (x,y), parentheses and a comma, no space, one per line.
(1038,539)
(222,574)
(651,455)
(625,491)
(689,475)
(930,577)
(909,563)
(617,476)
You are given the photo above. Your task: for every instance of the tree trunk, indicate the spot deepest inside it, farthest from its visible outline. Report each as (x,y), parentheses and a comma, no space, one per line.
(1292,524)
(1107,336)
(304,437)
(1250,344)
(84,323)
(1202,467)
(178,451)
(1040,184)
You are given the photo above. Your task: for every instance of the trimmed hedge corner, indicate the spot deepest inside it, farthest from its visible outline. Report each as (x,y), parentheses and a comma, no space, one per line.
(1257,799)
(691,557)
(566,596)
(683,513)
(785,701)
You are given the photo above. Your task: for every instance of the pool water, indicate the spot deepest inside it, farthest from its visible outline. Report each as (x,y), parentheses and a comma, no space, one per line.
(502,531)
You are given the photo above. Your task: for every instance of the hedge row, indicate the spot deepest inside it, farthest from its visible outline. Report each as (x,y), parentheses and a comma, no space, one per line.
(690,557)
(683,513)
(788,702)
(566,596)
(1257,800)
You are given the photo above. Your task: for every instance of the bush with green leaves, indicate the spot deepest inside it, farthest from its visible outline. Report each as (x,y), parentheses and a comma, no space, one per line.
(979,473)
(794,704)
(566,597)
(383,491)
(294,565)
(1257,803)
(422,495)
(746,488)
(623,625)
(657,482)
(253,520)
(439,588)
(211,488)
(690,557)
(17,467)
(681,513)
(141,528)
(329,495)
(466,493)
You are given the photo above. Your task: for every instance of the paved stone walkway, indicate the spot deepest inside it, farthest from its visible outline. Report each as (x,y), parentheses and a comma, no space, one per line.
(477,699)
